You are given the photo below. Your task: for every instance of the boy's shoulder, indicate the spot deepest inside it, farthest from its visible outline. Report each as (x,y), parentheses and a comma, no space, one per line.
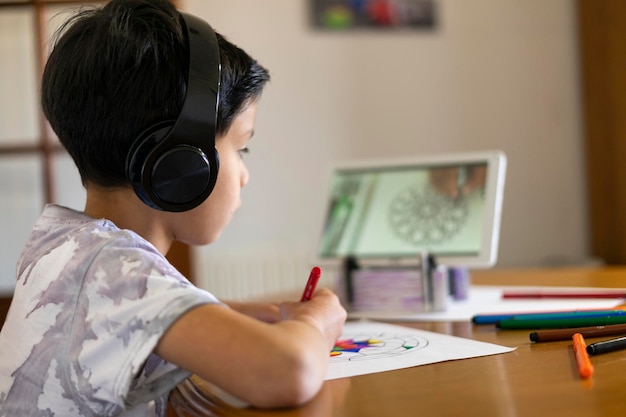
(82,255)
(70,224)
(64,235)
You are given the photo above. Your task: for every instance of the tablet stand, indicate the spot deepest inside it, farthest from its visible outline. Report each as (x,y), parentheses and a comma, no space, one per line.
(378,285)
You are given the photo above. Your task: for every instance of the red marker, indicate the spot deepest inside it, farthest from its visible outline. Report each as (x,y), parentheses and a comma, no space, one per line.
(620,293)
(314,277)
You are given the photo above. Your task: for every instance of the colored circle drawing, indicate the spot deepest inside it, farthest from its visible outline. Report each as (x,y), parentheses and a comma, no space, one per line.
(422,217)
(375,346)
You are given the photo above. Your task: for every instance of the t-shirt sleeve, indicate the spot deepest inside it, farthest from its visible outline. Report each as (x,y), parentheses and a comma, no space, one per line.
(133,296)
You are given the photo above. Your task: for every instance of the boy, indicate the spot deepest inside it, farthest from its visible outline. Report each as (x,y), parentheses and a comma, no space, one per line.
(101,324)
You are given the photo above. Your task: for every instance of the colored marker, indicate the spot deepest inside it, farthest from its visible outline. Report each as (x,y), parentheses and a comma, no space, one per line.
(607,346)
(585,368)
(311,284)
(564,294)
(564,323)
(495,318)
(571,315)
(565,334)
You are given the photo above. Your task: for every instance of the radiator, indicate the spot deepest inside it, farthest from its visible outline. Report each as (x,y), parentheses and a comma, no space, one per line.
(258,277)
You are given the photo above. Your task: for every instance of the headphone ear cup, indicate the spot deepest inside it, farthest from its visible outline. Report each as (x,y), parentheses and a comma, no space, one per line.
(176,178)
(183,176)
(142,151)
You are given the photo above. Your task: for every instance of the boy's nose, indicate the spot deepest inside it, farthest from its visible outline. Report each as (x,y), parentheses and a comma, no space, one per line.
(245,176)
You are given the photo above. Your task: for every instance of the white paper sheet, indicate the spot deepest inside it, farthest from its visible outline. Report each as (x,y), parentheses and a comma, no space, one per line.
(394,347)
(488,299)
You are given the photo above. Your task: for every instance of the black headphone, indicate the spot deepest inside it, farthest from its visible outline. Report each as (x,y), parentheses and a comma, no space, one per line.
(173,164)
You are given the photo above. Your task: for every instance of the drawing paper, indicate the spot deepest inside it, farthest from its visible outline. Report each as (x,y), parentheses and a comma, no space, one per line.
(380,347)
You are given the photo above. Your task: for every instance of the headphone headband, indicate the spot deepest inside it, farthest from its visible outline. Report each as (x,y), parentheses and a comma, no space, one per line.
(198,117)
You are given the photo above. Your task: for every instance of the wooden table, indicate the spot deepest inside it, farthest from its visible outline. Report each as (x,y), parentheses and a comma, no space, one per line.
(537,379)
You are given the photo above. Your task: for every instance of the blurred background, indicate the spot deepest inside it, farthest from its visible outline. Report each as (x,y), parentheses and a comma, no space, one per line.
(512,75)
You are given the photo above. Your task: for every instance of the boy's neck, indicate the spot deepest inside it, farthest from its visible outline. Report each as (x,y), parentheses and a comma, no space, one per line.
(127,211)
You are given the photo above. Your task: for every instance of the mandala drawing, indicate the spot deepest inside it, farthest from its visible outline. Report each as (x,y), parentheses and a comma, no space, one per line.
(375,346)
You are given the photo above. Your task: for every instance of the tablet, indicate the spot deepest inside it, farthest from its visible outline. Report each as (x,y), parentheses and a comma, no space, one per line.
(448,205)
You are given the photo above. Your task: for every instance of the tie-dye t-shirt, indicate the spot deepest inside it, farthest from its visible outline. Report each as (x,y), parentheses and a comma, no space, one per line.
(91,302)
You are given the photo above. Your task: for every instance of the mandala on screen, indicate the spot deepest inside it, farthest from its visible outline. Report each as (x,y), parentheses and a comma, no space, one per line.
(424,216)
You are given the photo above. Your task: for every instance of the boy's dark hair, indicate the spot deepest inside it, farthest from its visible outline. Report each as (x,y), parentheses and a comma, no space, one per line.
(119,69)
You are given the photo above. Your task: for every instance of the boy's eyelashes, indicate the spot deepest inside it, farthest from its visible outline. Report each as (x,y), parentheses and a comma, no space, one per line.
(244,150)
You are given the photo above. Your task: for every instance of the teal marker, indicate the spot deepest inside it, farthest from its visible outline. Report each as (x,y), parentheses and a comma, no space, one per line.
(570,315)
(495,318)
(561,323)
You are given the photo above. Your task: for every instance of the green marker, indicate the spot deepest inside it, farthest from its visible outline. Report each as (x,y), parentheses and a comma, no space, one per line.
(561,323)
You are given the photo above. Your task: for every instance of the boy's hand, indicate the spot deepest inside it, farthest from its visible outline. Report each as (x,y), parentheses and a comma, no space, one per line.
(451,183)
(323,311)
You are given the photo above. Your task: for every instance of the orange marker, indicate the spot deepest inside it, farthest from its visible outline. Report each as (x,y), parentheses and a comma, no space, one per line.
(585,368)
(314,277)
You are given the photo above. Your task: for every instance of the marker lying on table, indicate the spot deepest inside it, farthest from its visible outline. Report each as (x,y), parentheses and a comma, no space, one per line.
(565,334)
(556,293)
(495,318)
(311,284)
(585,368)
(563,323)
(607,346)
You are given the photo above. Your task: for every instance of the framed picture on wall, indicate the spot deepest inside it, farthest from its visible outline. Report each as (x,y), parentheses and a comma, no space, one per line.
(373,14)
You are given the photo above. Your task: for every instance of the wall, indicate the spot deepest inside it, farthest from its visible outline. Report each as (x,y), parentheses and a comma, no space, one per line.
(497,74)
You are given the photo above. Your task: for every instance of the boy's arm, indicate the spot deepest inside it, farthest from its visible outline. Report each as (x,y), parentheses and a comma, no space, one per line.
(264,364)
(264,311)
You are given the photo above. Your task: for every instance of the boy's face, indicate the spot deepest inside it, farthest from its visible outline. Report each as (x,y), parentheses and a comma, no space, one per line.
(205,223)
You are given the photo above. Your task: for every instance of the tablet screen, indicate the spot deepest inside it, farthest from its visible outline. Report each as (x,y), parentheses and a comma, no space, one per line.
(448,205)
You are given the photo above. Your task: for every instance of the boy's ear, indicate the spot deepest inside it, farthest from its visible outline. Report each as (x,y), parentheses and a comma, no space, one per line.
(173,164)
